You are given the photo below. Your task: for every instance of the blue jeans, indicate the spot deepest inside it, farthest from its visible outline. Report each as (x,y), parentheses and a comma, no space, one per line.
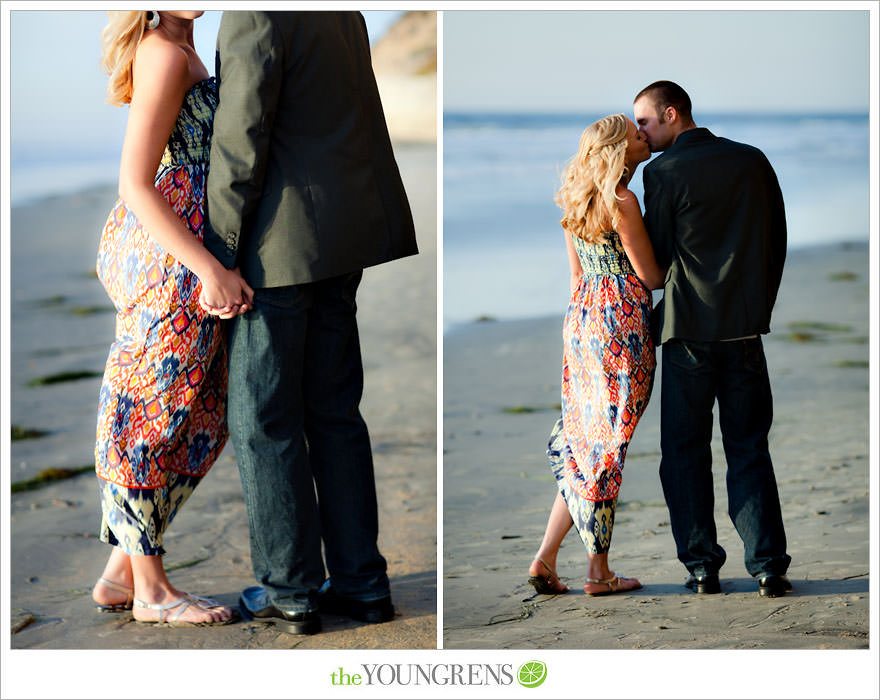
(695,374)
(303,450)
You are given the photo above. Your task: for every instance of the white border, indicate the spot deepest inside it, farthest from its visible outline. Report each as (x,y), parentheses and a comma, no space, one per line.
(874,335)
(282,674)
(439,176)
(5,346)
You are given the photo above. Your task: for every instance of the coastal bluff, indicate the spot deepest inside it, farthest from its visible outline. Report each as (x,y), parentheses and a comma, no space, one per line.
(405,64)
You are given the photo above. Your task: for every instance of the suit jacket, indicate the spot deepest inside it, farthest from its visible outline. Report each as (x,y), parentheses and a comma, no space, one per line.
(303,183)
(715,216)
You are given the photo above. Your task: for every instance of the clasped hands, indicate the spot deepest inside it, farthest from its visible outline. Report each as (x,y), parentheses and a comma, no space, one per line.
(225,294)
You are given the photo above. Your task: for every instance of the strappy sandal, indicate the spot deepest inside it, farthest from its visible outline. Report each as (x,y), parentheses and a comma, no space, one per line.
(545,584)
(115,607)
(183,603)
(613,584)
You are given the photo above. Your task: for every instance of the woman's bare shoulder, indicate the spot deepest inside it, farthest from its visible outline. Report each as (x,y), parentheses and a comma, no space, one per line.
(626,198)
(158,60)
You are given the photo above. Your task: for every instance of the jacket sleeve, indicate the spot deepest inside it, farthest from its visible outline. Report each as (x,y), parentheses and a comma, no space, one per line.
(778,235)
(250,68)
(659,216)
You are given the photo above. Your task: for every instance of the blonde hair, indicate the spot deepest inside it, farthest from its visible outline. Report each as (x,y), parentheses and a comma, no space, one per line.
(119,41)
(587,194)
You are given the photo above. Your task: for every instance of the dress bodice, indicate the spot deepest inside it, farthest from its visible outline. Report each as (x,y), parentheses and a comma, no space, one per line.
(607,258)
(190,140)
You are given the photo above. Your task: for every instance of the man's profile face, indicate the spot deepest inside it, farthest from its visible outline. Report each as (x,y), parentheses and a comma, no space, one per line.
(652,124)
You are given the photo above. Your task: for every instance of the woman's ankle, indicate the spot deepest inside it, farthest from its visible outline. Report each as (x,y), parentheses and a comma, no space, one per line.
(118,569)
(543,564)
(156,592)
(597,567)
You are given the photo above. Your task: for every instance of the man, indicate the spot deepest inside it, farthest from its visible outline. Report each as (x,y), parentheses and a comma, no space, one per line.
(714,212)
(303,193)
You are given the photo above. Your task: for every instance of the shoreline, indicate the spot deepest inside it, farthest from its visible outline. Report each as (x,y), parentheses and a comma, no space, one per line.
(406,141)
(794,256)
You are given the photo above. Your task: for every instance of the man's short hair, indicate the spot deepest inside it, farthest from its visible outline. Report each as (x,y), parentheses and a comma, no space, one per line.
(665,93)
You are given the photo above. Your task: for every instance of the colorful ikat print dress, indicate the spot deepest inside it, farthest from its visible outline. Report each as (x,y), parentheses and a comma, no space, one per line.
(607,375)
(162,406)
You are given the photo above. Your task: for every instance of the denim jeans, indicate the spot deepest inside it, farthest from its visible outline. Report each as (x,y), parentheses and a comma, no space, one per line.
(695,374)
(303,449)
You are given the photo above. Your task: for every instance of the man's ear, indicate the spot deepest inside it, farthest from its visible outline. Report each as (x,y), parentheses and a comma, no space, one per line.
(670,114)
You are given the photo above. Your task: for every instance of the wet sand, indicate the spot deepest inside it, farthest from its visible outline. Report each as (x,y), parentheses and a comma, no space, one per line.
(62,322)
(501,398)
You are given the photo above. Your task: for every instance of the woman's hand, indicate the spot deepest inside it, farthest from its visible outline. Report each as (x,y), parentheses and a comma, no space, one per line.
(225,293)
(161,80)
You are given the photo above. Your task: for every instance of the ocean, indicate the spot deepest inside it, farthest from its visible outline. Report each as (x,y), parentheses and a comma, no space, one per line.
(503,248)
(39,170)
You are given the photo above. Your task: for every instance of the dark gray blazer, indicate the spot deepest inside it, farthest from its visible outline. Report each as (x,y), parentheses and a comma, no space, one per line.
(715,216)
(303,183)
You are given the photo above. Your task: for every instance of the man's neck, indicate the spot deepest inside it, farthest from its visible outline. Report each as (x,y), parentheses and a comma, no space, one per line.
(687,128)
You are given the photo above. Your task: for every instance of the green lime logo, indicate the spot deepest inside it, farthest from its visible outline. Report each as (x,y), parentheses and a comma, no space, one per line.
(531,674)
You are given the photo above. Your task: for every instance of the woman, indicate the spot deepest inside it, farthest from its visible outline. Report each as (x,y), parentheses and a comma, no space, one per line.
(161,420)
(608,357)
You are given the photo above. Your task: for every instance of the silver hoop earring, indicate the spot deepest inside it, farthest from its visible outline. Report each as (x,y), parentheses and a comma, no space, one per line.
(152,19)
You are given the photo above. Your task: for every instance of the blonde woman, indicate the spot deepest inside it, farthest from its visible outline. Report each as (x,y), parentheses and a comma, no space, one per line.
(608,354)
(161,420)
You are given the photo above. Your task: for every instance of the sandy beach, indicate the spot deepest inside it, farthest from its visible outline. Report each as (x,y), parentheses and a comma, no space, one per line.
(61,328)
(501,398)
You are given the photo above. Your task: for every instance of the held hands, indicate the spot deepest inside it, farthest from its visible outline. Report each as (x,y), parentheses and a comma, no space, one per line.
(225,294)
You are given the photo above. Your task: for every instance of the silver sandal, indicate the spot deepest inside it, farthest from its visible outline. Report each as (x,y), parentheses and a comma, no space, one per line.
(546,585)
(613,583)
(183,603)
(115,607)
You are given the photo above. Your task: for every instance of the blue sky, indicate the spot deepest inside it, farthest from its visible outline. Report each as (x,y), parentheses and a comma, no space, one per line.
(596,61)
(57,87)
(740,61)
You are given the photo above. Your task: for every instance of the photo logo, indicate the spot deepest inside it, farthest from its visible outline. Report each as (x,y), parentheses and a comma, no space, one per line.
(531,674)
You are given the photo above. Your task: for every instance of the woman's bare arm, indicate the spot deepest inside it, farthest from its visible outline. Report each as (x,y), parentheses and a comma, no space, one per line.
(160,83)
(574,263)
(634,236)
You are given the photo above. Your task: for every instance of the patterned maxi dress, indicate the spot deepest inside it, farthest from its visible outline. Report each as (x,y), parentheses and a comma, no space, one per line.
(162,406)
(607,375)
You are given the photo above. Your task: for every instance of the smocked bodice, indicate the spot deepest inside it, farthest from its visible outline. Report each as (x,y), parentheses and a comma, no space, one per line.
(190,140)
(607,258)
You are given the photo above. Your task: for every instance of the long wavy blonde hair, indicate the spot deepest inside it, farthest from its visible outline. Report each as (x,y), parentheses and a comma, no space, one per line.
(587,194)
(119,41)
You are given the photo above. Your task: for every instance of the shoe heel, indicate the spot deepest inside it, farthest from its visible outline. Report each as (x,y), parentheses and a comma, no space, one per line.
(304,627)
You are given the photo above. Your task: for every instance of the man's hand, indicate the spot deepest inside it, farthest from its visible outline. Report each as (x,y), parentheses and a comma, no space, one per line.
(226,295)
